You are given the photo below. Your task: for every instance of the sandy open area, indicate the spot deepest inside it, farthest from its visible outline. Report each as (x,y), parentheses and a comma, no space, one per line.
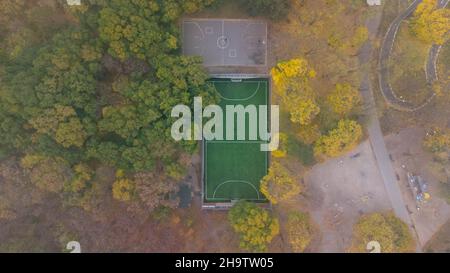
(343,189)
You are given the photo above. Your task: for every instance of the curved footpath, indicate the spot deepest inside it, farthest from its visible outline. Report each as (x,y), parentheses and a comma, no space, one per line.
(385,53)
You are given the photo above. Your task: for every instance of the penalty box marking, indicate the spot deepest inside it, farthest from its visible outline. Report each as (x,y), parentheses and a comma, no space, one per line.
(243,99)
(229,142)
(236,181)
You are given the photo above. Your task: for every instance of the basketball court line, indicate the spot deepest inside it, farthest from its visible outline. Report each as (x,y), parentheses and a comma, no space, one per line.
(223,49)
(241,53)
(246,36)
(202,38)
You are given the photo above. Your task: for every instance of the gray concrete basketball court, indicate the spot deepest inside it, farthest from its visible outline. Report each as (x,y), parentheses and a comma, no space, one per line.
(226,42)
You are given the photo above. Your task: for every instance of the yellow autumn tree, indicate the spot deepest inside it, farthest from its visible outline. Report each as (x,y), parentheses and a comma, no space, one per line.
(391,233)
(303,110)
(309,134)
(282,147)
(300,230)
(123,189)
(278,185)
(46,173)
(430,24)
(439,87)
(80,190)
(291,74)
(291,80)
(62,124)
(343,99)
(255,226)
(437,140)
(359,37)
(339,140)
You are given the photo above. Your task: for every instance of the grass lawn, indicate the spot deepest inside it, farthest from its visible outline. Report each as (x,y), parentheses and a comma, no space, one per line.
(407,66)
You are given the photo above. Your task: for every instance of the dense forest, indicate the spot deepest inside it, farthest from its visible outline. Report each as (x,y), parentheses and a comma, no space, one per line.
(95,84)
(90,86)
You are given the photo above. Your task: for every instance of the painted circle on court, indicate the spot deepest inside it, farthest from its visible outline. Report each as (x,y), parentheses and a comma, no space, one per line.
(223,42)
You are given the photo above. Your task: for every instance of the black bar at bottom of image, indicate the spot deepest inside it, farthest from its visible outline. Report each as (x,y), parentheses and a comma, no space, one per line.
(218,262)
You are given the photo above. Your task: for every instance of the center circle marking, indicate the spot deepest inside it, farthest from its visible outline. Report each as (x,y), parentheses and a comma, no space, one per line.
(223,42)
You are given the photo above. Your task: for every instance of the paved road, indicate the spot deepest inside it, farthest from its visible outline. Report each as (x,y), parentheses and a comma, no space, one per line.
(374,129)
(431,68)
(386,49)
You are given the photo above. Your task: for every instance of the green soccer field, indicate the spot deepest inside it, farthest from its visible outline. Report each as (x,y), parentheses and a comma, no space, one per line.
(233,169)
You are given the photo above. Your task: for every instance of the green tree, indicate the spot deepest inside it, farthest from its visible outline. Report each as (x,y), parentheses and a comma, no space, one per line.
(126,121)
(51,90)
(18,41)
(132,28)
(13,135)
(66,77)
(138,158)
(80,190)
(48,120)
(274,9)
(175,171)
(107,152)
(144,29)
(177,79)
(255,226)
(61,124)
(70,133)
(56,93)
